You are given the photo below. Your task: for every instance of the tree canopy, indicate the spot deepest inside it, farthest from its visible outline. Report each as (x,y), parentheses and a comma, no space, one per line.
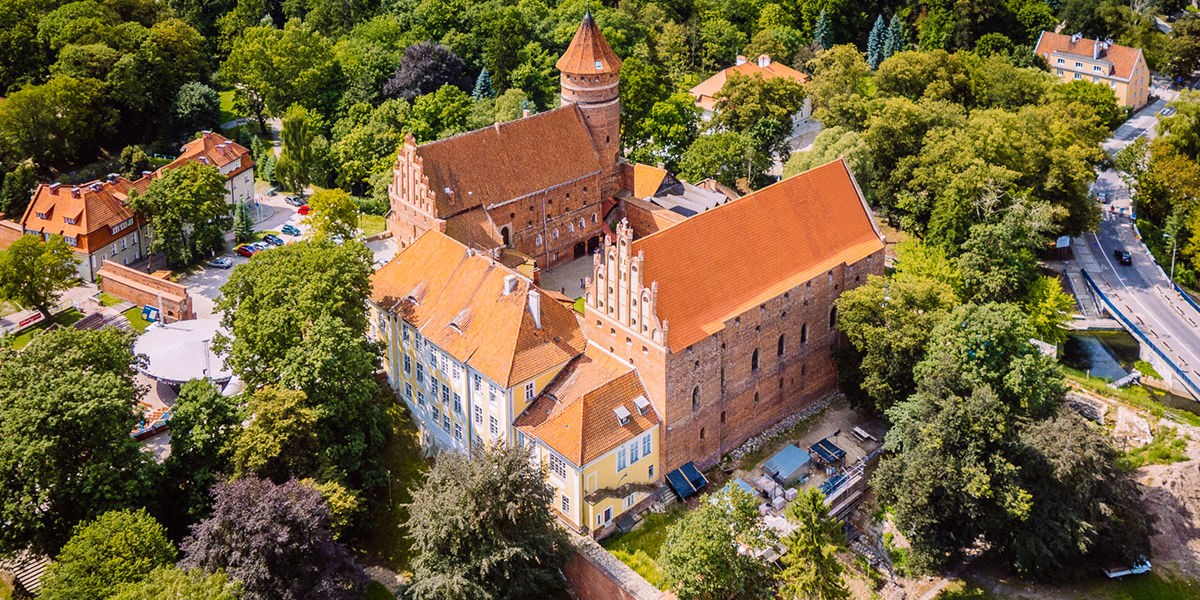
(189,210)
(34,273)
(105,555)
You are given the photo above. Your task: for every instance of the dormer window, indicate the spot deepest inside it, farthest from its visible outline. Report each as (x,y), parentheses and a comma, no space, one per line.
(68,220)
(41,215)
(622,415)
(642,404)
(599,66)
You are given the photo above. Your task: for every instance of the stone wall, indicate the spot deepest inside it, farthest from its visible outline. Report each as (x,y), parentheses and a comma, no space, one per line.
(142,289)
(647,218)
(594,574)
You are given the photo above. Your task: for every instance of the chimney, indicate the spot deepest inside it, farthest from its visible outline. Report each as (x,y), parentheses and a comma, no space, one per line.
(764,60)
(524,112)
(54,186)
(741,60)
(1095,50)
(535,308)
(74,192)
(497,126)
(661,165)
(147,173)
(510,284)
(206,134)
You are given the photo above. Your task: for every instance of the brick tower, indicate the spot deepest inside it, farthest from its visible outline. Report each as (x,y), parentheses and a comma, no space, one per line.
(590,79)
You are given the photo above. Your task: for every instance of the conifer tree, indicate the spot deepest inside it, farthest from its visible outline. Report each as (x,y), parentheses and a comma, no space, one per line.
(875,42)
(896,38)
(243,224)
(821,33)
(483,86)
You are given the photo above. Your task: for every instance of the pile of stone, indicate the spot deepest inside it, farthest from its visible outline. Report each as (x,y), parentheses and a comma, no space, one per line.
(757,442)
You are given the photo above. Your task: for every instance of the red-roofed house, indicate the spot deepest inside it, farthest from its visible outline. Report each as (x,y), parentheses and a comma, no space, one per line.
(705,92)
(729,316)
(1076,58)
(232,159)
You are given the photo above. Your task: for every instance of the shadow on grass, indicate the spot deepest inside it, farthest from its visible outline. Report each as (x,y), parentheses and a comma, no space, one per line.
(386,542)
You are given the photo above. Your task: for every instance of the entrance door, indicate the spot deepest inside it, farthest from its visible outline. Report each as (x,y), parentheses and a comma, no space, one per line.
(593,244)
(580,250)
(504,236)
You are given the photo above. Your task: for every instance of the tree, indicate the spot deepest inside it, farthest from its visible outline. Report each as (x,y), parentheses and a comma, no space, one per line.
(721,156)
(1049,309)
(670,129)
(483,86)
(641,89)
(821,33)
(203,425)
(176,584)
(189,211)
(133,162)
(1181,129)
(812,570)
(510,106)
(296,159)
(1099,97)
(334,216)
(721,40)
(343,505)
(17,190)
(34,273)
(426,68)
(440,114)
(119,548)
(196,107)
(837,72)
(481,528)
(700,558)
(66,455)
(994,43)
(834,143)
(275,539)
(875,43)
(745,104)
(56,122)
(281,440)
(20,53)
(888,321)
(243,223)
(897,38)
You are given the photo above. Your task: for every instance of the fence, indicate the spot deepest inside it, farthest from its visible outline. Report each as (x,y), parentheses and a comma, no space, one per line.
(1186,296)
(1184,379)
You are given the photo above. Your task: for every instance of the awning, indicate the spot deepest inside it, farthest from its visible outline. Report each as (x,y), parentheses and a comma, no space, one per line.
(686,480)
(827,451)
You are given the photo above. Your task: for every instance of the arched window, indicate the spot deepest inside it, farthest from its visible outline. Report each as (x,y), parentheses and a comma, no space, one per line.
(779,349)
(804,333)
(756,397)
(570,228)
(702,434)
(539,239)
(695,398)
(833,317)
(754,360)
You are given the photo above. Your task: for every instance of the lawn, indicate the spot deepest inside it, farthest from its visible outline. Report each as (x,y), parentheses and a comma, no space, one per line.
(639,548)
(63,319)
(228,113)
(371,224)
(136,322)
(1151,586)
(386,542)
(109,300)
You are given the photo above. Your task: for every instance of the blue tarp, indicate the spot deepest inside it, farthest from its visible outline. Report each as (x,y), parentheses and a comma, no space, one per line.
(686,480)
(827,451)
(788,464)
(831,486)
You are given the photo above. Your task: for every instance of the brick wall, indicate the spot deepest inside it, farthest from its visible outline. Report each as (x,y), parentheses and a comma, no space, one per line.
(9,232)
(647,218)
(142,289)
(594,574)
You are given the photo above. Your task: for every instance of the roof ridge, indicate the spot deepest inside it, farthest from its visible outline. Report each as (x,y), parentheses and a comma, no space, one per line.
(532,116)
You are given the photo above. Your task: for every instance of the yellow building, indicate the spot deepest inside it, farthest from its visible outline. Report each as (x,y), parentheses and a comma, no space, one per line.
(596,430)
(469,343)
(1076,58)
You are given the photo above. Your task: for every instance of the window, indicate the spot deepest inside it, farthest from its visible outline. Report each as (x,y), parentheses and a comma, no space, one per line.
(722,417)
(1060,61)
(754,360)
(529,391)
(479,414)
(458,432)
(113,251)
(556,233)
(43,216)
(646,445)
(695,398)
(634,446)
(493,426)
(458,403)
(566,504)
(71,241)
(779,346)
(558,467)
(804,333)
(454,372)
(420,374)
(621,459)
(702,434)
(1060,71)
(1078,65)
(1096,68)
(539,239)
(407,365)
(445,395)
(446,421)
(124,243)
(408,391)
(520,440)
(420,398)
(493,393)
(1078,76)
(832,317)
(626,504)
(437,414)
(445,362)
(478,382)
(651,472)
(570,228)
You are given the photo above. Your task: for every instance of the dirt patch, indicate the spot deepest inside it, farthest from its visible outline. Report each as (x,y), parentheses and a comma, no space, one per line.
(1172,493)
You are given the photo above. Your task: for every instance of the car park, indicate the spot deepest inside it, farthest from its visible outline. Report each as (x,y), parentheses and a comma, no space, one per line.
(1122,257)
(221,262)
(246,250)
(290,230)
(273,240)
(304,210)
(260,246)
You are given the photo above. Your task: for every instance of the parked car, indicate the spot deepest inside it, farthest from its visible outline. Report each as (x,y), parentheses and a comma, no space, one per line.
(273,240)
(294,201)
(1102,197)
(221,262)
(260,246)
(246,250)
(304,210)
(290,230)
(1122,257)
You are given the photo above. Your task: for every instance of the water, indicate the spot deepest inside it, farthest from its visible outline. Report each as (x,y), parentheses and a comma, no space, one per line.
(1112,355)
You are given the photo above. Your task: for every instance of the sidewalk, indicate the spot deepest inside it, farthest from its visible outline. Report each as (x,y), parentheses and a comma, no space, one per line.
(79,295)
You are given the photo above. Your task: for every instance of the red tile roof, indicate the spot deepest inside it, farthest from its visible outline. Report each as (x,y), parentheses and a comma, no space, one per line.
(724,261)
(93,208)
(574,414)
(1123,58)
(646,180)
(589,53)
(214,149)
(509,160)
(455,297)
(705,91)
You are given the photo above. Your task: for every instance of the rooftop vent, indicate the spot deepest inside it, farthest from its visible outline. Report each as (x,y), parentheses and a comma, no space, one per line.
(1076,37)
(741,60)
(642,404)
(510,284)
(622,415)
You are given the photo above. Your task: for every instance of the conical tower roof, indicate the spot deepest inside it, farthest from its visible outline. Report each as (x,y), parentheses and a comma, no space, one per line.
(589,52)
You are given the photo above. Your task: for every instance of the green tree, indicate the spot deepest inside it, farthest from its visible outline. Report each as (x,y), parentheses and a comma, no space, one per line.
(196,107)
(994,43)
(482,528)
(745,103)
(243,223)
(343,504)
(875,43)
(281,440)
(65,450)
(1181,129)
(821,32)
(700,557)
(837,72)
(56,122)
(189,211)
(720,41)
(897,38)
(203,425)
(17,190)
(119,548)
(21,55)
(440,114)
(1099,97)
(173,583)
(483,86)
(334,216)
(812,570)
(1049,309)
(511,105)
(641,89)
(133,162)
(721,156)
(834,143)
(34,273)
(296,158)
(888,321)
(672,126)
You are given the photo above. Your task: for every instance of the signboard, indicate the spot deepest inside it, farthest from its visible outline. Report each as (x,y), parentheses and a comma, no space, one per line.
(31,319)
(150,313)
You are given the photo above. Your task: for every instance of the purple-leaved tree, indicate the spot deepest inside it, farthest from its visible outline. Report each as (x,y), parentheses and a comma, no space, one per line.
(275,539)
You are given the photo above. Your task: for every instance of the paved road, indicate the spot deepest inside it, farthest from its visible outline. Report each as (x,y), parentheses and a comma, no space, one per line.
(1142,291)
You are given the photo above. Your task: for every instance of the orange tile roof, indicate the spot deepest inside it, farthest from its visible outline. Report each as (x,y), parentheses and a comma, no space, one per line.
(213,149)
(455,297)
(589,53)
(574,414)
(647,179)
(705,91)
(509,160)
(474,228)
(724,261)
(1123,58)
(94,208)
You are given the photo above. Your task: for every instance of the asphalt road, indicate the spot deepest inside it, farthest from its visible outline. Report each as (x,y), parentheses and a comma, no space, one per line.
(1141,291)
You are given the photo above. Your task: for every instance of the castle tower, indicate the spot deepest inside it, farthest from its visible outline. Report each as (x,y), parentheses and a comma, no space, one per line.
(589,77)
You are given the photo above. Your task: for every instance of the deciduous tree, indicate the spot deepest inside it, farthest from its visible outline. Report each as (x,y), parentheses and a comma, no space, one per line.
(176,584)
(281,440)
(17,190)
(333,216)
(55,122)
(425,68)
(296,159)
(116,550)
(203,425)
(34,273)
(188,208)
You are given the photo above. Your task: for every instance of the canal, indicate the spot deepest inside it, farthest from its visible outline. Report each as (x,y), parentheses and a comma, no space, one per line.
(1112,355)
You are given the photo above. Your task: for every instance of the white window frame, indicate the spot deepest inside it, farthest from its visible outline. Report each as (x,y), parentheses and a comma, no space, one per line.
(558,466)
(646,445)
(529,390)
(621,465)
(493,426)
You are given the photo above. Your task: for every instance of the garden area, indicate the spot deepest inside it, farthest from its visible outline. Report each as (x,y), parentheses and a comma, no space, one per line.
(63,319)
(639,548)
(386,542)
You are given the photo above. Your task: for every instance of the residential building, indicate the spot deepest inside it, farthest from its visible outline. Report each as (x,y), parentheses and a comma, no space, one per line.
(232,159)
(729,318)
(534,186)
(706,91)
(1076,58)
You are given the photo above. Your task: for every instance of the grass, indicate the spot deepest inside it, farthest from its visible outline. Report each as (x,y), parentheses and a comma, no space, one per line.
(1134,395)
(136,322)
(386,541)
(228,113)
(109,299)
(962,590)
(1164,449)
(1151,586)
(899,556)
(640,548)
(376,591)
(371,224)
(63,319)
(1147,369)
(579,304)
